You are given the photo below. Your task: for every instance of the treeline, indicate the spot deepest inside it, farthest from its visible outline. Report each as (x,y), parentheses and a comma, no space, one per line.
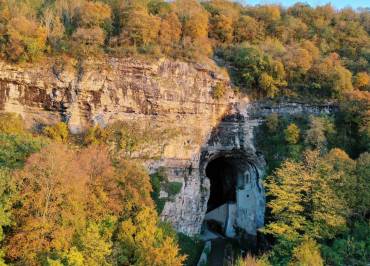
(78,200)
(269,50)
(318,187)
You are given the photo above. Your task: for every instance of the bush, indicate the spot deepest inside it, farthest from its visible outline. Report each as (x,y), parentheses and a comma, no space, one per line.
(219,91)
(156,179)
(11,123)
(58,132)
(190,246)
(173,188)
(272,122)
(14,149)
(95,135)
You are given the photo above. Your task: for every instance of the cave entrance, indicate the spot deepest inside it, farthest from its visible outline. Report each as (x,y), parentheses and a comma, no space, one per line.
(221,207)
(222,175)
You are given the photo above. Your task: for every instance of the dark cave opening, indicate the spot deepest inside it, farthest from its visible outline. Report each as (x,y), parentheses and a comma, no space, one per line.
(222,175)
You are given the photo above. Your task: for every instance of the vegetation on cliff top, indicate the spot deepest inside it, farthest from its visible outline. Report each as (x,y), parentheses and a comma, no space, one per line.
(269,50)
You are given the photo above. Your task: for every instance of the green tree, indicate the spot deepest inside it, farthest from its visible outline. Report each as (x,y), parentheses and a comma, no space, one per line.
(320,128)
(361,187)
(6,194)
(252,68)
(272,122)
(15,149)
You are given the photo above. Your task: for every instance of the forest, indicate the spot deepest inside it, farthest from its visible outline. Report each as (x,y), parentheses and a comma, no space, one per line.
(78,200)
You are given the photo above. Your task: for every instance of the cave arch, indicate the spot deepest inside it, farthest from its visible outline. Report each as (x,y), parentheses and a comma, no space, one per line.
(222,174)
(232,178)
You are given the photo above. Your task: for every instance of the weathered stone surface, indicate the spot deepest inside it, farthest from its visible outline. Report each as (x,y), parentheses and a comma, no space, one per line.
(167,94)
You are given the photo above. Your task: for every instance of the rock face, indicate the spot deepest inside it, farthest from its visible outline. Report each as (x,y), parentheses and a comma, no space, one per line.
(166,94)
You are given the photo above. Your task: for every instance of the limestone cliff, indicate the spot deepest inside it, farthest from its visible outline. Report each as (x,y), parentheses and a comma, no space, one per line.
(168,94)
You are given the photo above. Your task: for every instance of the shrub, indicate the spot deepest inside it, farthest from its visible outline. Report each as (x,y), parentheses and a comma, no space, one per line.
(218,91)
(95,135)
(190,246)
(58,132)
(173,188)
(272,122)
(11,123)
(14,149)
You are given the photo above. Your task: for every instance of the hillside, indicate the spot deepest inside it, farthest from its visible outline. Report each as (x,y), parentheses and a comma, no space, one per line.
(150,132)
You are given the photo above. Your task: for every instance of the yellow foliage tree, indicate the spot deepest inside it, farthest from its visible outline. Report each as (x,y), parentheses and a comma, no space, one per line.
(249,29)
(27,39)
(292,134)
(194,21)
(170,33)
(142,242)
(362,80)
(306,199)
(139,28)
(307,254)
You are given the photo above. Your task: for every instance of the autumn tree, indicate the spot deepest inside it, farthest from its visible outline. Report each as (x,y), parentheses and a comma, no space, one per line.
(292,134)
(139,27)
(47,183)
(223,14)
(170,33)
(142,242)
(194,20)
(362,80)
(307,254)
(26,39)
(95,135)
(69,204)
(91,19)
(55,29)
(247,28)
(305,201)
(331,77)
